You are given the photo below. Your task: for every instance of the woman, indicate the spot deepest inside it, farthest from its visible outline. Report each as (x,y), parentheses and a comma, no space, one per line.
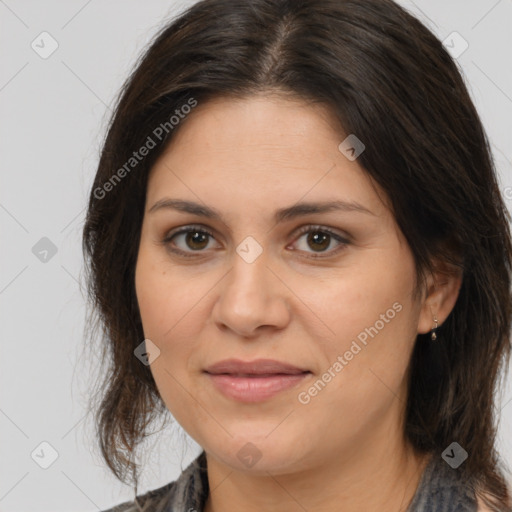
(297,246)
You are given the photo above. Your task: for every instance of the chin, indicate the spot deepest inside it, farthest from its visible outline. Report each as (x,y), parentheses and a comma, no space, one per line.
(259,455)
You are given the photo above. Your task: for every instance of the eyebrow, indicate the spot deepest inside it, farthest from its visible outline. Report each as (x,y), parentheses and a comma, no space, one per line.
(280,215)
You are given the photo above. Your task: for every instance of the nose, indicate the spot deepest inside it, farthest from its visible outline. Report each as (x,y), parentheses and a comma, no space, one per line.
(252,298)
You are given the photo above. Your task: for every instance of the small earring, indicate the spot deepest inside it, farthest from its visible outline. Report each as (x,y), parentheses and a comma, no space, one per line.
(434,329)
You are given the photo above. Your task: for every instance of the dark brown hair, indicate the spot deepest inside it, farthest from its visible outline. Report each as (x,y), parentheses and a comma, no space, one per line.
(389,81)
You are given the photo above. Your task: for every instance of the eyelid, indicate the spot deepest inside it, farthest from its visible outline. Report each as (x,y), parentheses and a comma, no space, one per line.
(185,229)
(342,238)
(345,237)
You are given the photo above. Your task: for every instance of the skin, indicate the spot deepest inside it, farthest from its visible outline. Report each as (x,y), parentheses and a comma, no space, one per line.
(344,450)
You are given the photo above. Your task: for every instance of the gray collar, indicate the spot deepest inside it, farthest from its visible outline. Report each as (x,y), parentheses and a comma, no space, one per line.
(441,489)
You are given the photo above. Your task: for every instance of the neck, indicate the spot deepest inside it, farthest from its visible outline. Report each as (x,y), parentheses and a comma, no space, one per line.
(380,476)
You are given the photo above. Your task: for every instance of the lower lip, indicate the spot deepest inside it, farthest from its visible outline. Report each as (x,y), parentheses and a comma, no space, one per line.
(255,389)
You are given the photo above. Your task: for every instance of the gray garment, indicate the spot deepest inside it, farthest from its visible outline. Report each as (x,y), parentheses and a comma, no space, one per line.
(440,490)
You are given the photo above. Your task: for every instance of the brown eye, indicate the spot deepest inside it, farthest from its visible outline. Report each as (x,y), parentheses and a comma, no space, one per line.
(191,239)
(196,239)
(319,239)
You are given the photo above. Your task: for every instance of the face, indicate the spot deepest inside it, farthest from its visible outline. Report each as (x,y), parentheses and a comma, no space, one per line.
(327,291)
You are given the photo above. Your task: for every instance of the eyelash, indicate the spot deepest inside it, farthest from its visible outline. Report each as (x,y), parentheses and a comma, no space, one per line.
(306,229)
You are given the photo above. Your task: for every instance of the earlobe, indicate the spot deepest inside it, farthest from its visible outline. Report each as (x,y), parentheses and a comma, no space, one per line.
(434,329)
(442,294)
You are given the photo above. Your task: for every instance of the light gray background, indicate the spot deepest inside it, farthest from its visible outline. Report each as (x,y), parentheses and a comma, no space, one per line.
(53,117)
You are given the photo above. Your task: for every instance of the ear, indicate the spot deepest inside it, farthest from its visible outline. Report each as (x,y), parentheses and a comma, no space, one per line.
(439,299)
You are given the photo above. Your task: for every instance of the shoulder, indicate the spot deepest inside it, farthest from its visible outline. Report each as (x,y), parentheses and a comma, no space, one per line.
(152,498)
(188,492)
(442,488)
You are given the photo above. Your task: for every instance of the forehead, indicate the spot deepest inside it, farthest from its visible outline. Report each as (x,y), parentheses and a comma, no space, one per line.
(262,150)
(260,122)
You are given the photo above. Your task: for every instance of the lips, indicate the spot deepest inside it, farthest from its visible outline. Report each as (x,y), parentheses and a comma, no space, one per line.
(258,367)
(254,381)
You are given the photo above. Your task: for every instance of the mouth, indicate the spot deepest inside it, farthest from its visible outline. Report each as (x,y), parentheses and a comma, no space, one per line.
(254,381)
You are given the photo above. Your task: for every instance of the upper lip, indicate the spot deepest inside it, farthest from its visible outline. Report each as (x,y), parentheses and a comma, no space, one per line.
(255,367)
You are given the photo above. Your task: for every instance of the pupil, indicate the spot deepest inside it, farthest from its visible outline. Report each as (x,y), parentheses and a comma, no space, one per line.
(193,235)
(314,237)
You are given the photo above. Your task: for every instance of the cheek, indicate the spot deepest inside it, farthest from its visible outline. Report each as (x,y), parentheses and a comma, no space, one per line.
(162,297)
(173,314)
(166,307)
(356,298)
(372,323)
